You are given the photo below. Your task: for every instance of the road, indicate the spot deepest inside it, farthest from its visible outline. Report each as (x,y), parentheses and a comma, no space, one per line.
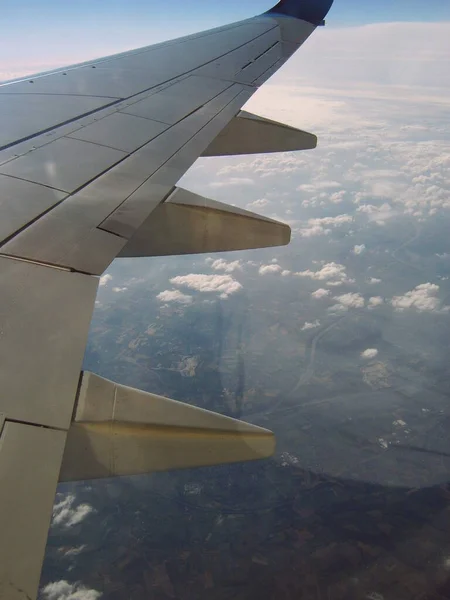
(306,376)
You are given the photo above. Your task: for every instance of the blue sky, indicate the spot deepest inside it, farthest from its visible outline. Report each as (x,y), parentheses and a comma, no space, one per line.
(40,34)
(183,12)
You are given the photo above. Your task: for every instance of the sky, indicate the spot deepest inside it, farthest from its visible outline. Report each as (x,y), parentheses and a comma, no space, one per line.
(40,35)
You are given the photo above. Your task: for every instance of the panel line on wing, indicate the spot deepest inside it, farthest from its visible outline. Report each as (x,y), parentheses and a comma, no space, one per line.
(53,127)
(40,263)
(33,424)
(258,57)
(70,95)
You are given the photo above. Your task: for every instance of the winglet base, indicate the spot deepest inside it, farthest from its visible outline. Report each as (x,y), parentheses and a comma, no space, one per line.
(312,11)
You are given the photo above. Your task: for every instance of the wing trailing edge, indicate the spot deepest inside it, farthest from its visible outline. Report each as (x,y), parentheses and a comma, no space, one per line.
(191,224)
(250,134)
(119,430)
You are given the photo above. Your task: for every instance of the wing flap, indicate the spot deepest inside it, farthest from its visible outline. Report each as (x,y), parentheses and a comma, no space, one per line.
(30,458)
(190,224)
(45,316)
(123,431)
(251,134)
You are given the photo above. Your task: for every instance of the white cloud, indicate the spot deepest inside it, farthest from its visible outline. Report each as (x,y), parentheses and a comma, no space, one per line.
(313,325)
(105,279)
(75,551)
(119,290)
(222,265)
(379,214)
(269,269)
(350,300)
(375,301)
(374,280)
(333,273)
(232,181)
(337,308)
(321,226)
(314,231)
(337,197)
(332,221)
(317,186)
(258,204)
(422,298)
(286,273)
(369,353)
(63,590)
(224,284)
(359,249)
(320,293)
(174,296)
(66,515)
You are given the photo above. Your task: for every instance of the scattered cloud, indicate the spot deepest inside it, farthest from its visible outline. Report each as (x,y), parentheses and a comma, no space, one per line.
(337,308)
(333,273)
(223,284)
(337,197)
(313,325)
(332,221)
(66,515)
(105,279)
(320,293)
(258,204)
(63,590)
(375,301)
(313,231)
(174,296)
(318,186)
(321,226)
(75,551)
(228,267)
(374,280)
(422,298)
(350,300)
(369,353)
(359,249)
(119,290)
(379,214)
(232,181)
(269,269)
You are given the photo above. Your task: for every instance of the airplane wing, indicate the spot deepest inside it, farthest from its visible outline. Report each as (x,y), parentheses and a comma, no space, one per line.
(90,157)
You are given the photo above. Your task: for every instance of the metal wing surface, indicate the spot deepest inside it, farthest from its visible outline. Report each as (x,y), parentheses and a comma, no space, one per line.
(89,155)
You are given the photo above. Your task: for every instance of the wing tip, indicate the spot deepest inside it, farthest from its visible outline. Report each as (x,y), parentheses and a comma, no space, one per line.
(312,11)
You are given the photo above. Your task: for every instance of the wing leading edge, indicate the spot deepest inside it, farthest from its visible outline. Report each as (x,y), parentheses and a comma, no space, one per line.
(89,157)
